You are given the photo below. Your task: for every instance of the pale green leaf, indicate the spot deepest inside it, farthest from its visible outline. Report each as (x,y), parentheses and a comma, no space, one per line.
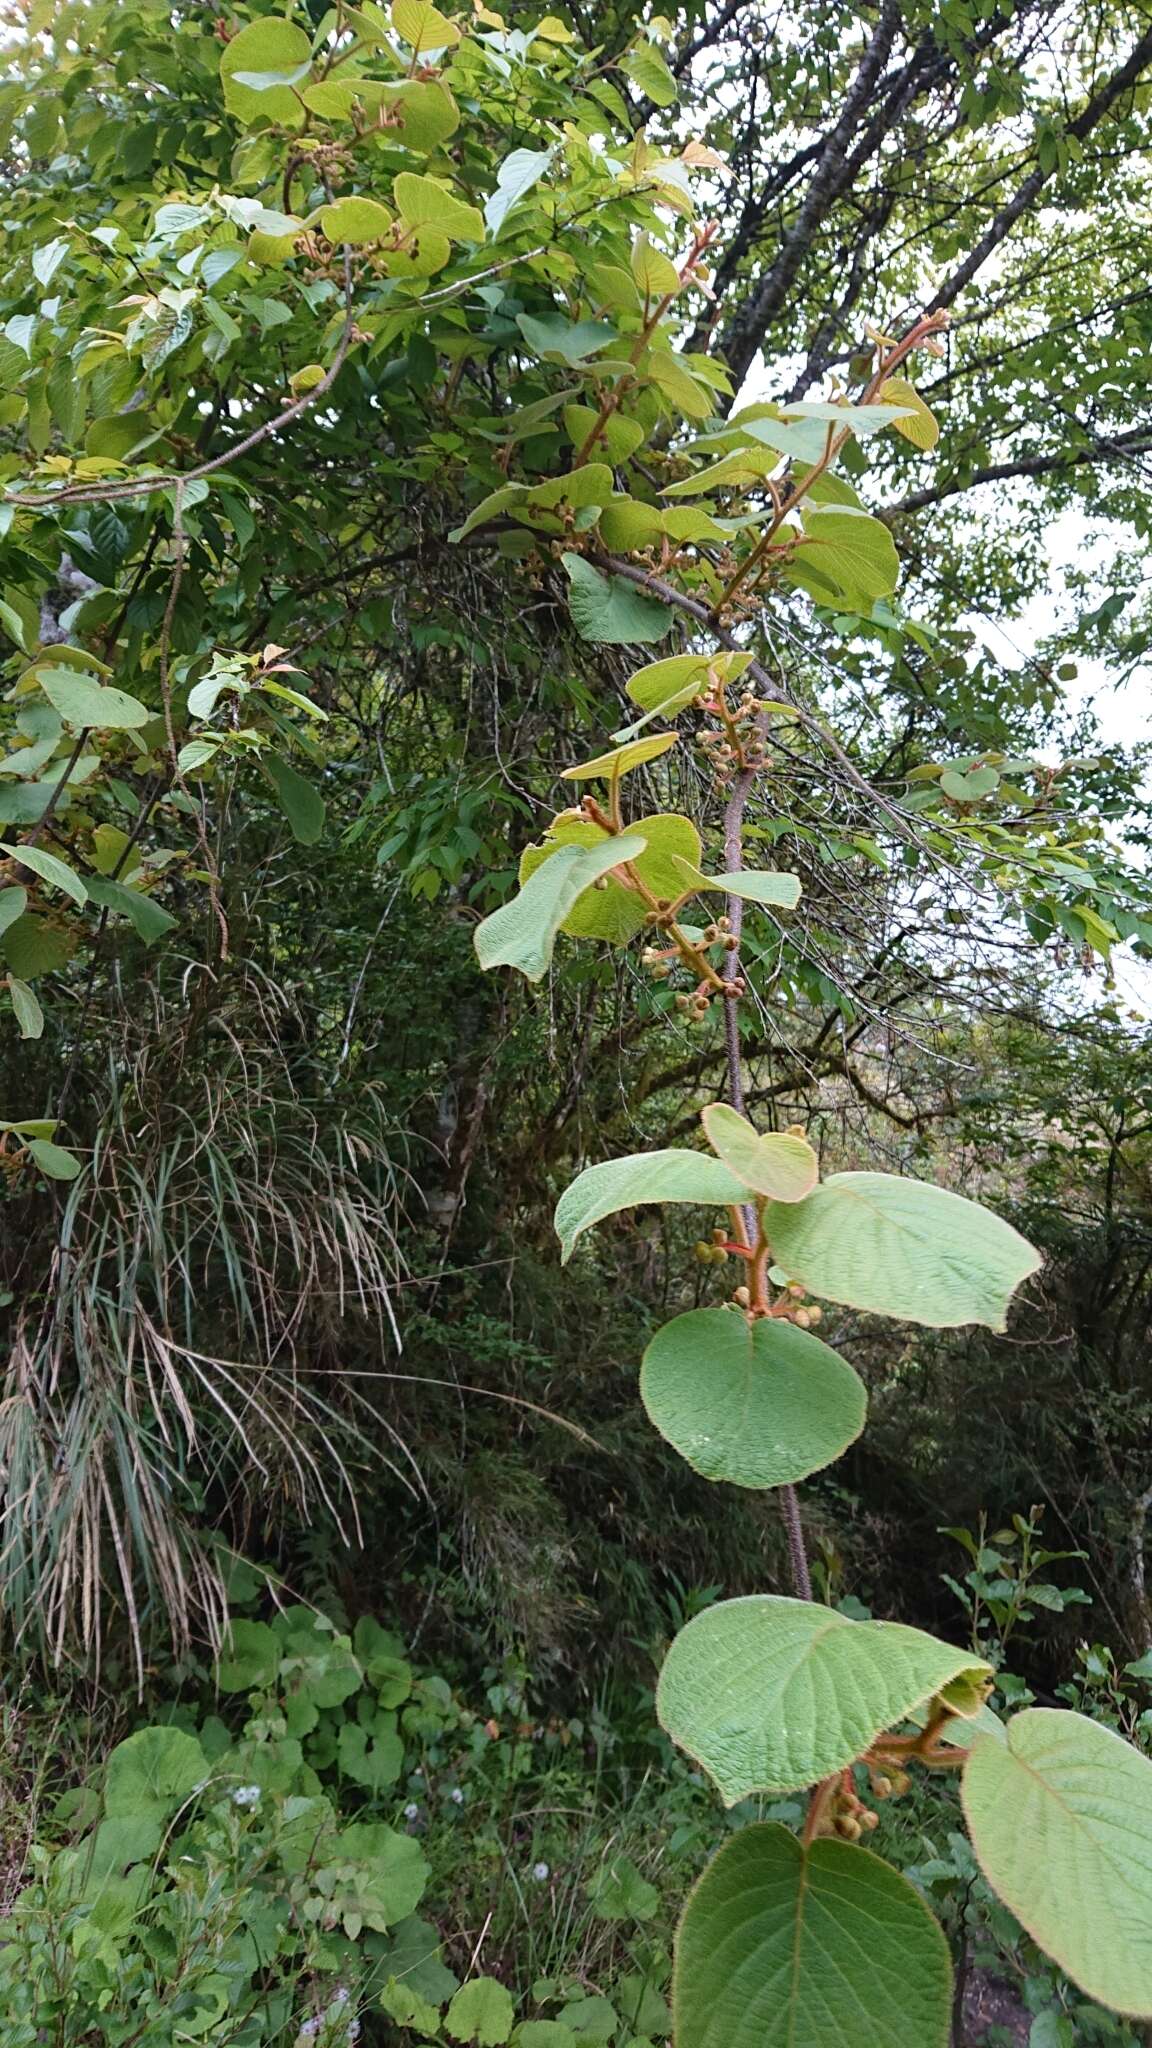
(372,1757)
(481,2012)
(424,113)
(51,870)
(1061,1821)
(13,904)
(667,1176)
(265,81)
(622,759)
(54,1160)
(567,341)
(196,754)
(670,374)
(864,420)
(42,727)
(968,788)
(655,274)
(81,703)
(611,610)
(855,550)
(826,1947)
(271,45)
(424,202)
(46,260)
(29,1016)
(356,221)
(903,1248)
(542,504)
(518,173)
(751,465)
(593,2020)
(423,26)
(647,69)
(619,437)
(522,933)
(775,1163)
(775,889)
(666,686)
(616,912)
(919,425)
(154,1767)
(770,1694)
(757,1404)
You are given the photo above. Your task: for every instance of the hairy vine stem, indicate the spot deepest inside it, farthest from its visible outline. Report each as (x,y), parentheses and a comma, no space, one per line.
(734,907)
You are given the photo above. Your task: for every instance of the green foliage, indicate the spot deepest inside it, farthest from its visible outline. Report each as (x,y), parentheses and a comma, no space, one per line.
(523,933)
(902,1248)
(781,1944)
(670,1176)
(385,289)
(772,1694)
(778,1165)
(757,1405)
(1075,1790)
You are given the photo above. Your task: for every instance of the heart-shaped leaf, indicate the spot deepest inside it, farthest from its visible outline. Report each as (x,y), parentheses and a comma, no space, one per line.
(1060,1816)
(264,49)
(771,1694)
(903,1248)
(758,1404)
(825,1947)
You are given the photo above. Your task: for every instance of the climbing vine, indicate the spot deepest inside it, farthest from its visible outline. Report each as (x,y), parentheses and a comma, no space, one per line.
(448,253)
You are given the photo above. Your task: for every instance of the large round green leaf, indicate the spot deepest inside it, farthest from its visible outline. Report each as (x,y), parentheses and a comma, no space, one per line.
(779,1947)
(667,1176)
(757,1404)
(249,1656)
(264,66)
(614,912)
(155,1768)
(903,1248)
(776,1163)
(770,1694)
(1061,1820)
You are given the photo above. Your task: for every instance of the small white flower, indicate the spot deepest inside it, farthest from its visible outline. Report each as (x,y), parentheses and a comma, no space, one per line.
(411,1811)
(246,1795)
(541,1872)
(341,1995)
(456,1796)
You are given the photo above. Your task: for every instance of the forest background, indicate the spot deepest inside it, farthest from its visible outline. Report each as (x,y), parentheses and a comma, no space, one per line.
(279,1280)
